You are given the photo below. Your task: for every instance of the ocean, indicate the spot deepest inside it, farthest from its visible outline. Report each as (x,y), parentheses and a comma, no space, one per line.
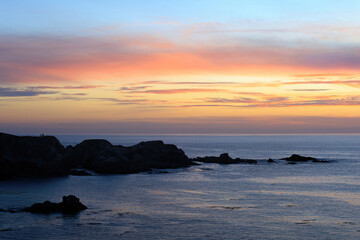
(209,201)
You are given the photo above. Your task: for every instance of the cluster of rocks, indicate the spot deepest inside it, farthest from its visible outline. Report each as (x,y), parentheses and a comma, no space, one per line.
(45,156)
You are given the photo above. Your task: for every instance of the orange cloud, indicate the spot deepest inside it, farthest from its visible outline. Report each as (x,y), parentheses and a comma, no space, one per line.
(88,59)
(178,91)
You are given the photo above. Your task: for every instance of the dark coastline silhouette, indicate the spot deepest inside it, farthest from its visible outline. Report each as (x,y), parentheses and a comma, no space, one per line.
(45,156)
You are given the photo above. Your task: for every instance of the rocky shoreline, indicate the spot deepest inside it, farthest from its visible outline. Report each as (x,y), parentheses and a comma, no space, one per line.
(45,156)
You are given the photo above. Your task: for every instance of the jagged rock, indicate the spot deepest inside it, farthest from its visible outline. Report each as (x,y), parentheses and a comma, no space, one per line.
(224,158)
(270,160)
(69,204)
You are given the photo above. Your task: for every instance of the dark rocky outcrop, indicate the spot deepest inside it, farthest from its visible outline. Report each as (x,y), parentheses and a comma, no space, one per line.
(30,156)
(69,204)
(298,158)
(103,157)
(224,158)
(45,156)
(270,160)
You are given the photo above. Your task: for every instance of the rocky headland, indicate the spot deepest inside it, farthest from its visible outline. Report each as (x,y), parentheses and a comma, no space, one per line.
(45,156)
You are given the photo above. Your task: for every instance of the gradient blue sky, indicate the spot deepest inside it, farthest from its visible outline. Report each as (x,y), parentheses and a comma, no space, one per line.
(52,16)
(147,66)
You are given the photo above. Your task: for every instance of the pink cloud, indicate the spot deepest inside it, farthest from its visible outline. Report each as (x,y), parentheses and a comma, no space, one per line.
(86,59)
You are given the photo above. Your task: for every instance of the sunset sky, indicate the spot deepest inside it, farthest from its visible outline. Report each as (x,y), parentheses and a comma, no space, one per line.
(233,67)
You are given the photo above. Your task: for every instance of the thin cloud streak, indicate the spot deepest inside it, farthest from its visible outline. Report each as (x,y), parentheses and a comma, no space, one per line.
(68,87)
(180,91)
(278,102)
(310,90)
(188,83)
(15,92)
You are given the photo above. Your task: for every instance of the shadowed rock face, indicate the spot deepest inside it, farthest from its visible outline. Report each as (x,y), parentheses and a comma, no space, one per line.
(30,156)
(45,156)
(102,157)
(69,204)
(223,159)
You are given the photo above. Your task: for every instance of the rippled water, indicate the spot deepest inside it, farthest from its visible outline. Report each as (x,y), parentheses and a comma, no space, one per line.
(210,201)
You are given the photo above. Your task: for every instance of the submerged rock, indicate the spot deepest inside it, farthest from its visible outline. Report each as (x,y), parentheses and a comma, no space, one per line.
(69,204)
(320,161)
(224,158)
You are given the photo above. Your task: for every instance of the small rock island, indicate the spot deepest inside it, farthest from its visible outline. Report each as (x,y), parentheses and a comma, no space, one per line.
(70,205)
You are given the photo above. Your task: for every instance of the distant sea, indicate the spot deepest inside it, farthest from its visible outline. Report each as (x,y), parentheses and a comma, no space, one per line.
(209,201)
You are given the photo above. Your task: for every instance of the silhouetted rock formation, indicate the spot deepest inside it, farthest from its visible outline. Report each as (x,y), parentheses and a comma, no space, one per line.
(224,158)
(69,204)
(270,160)
(45,156)
(30,156)
(298,158)
(103,157)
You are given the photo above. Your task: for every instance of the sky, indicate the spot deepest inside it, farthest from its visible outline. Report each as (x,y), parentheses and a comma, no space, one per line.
(179,67)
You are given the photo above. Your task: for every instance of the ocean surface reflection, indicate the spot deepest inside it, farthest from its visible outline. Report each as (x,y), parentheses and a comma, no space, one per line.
(210,201)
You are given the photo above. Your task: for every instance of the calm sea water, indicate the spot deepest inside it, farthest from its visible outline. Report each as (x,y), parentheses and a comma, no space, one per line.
(210,201)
